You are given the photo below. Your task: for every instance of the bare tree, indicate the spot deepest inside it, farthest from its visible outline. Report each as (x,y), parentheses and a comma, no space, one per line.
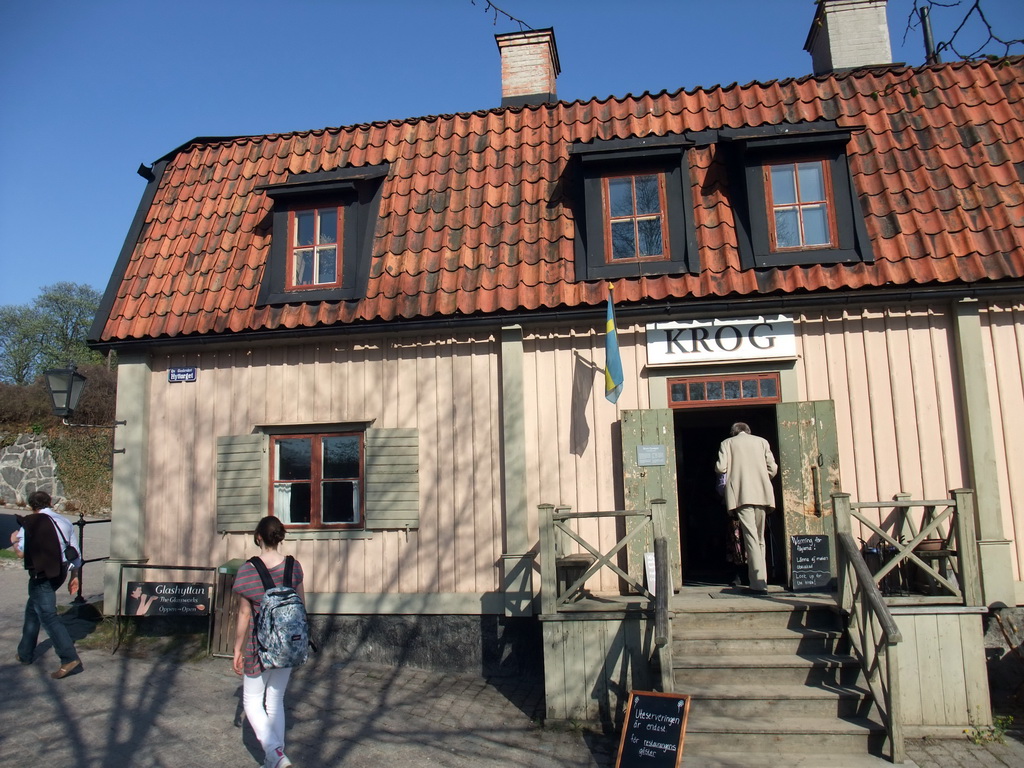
(974,20)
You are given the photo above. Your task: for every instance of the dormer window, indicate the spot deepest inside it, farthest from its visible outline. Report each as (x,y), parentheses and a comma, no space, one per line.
(634,211)
(799,196)
(635,227)
(315,248)
(793,196)
(323,225)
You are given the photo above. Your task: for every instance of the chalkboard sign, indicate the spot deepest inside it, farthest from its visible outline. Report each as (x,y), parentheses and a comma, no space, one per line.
(655,728)
(812,564)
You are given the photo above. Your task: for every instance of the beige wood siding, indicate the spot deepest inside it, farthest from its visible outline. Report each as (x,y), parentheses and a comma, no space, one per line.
(572,431)
(892,376)
(443,390)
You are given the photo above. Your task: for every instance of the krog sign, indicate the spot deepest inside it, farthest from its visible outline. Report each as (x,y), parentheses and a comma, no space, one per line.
(721,341)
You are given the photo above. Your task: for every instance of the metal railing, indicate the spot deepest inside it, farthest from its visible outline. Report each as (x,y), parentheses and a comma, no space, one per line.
(80,523)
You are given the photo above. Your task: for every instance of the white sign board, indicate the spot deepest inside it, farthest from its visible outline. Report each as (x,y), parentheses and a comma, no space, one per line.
(721,341)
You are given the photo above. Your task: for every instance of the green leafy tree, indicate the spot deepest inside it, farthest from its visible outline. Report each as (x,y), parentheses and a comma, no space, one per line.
(48,333)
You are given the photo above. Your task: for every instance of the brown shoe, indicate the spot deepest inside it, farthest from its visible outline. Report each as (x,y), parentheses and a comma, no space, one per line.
(66,669)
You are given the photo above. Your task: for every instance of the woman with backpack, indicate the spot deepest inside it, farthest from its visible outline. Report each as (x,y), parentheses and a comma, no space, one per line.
(263,685)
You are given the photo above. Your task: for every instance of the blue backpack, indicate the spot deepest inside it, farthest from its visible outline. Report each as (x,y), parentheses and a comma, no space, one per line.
(281,626)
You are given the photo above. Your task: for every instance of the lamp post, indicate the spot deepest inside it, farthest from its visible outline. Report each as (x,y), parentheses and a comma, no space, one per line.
(65,387)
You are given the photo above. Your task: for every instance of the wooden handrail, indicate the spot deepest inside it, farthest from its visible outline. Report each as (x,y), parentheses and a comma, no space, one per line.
(867,609)
(876,603)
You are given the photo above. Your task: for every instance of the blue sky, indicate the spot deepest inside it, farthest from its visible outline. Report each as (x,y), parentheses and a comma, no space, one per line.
(89,89)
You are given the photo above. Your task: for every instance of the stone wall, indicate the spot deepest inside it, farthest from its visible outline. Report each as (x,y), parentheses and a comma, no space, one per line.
(25,467)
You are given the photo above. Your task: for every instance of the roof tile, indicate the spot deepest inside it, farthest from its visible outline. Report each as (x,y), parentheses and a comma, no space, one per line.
(474,216)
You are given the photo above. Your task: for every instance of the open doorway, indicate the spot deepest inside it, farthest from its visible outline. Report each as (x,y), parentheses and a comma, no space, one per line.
(703,523)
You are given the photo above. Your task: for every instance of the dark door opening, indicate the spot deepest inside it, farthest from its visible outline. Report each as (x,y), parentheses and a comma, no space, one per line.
(703,522)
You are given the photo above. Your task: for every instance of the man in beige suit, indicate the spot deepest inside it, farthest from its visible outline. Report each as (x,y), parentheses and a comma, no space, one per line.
(749,466)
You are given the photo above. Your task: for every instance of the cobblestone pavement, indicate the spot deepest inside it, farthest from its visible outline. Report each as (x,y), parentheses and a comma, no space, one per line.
(158,713)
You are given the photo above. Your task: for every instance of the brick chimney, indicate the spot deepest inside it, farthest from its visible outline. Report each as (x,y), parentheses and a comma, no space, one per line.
(848,34)
(529,66)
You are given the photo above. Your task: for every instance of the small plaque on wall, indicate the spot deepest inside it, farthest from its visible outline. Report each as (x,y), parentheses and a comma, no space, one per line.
(650,456)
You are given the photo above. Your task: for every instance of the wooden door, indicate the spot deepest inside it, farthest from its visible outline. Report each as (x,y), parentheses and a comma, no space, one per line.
(649,472)
(809,467)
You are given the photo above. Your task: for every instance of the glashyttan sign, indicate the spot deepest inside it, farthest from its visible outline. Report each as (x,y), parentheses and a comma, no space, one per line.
(727,340)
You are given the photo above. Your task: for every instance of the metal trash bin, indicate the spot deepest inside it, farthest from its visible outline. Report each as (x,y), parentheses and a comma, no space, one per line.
(225,609)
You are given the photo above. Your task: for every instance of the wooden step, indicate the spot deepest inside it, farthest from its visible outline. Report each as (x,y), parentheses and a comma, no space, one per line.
(789,760)
(739,701)
(760,670)
(747,641)
(706,734)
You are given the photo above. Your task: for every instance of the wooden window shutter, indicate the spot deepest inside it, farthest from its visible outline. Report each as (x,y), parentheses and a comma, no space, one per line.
(241,482)
(392,479)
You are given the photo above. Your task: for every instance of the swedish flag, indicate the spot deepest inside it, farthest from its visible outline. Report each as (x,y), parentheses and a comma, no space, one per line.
(612,360)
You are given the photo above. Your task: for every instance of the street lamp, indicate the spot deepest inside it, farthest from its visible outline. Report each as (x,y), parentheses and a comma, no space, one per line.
(64,386)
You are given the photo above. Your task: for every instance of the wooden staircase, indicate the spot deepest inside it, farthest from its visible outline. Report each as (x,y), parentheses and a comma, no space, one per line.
(772,684)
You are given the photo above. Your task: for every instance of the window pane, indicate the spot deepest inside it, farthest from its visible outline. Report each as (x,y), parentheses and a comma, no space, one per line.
(304,228)
(750,388)
(768,388)
(340,502)
(623,240)
(329,226)
(812,182)
(647,200)
(650,237)
(303,267)
(783,186)
(327,265)
(291,503)
(697,390)
(294,459)
(732,390)
(815,225)
(341,457)
(678,393)
(714,390)
(787,228)
(620,197)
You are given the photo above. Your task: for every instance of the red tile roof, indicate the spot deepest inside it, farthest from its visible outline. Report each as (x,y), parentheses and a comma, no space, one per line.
(474,219)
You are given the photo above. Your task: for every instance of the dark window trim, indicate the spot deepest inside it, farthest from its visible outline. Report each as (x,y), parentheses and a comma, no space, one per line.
(666,155)
(358,191)
(750,149)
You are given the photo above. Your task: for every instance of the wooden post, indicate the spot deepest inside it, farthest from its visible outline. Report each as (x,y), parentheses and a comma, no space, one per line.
(892,665)
(662,621)
(841,523)
(967,545)
(548,587)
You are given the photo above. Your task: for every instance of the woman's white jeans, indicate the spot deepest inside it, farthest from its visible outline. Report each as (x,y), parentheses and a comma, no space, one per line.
(263,700)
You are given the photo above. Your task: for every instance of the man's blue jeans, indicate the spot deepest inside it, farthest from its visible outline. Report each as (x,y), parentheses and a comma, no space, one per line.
(41,609)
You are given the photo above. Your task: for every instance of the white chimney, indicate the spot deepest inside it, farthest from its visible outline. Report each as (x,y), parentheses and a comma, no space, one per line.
(529,66)
(848,34)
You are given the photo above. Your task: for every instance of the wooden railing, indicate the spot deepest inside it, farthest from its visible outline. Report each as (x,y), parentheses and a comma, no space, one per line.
(873,633)
(557,531)
(558,592)
(924,551)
